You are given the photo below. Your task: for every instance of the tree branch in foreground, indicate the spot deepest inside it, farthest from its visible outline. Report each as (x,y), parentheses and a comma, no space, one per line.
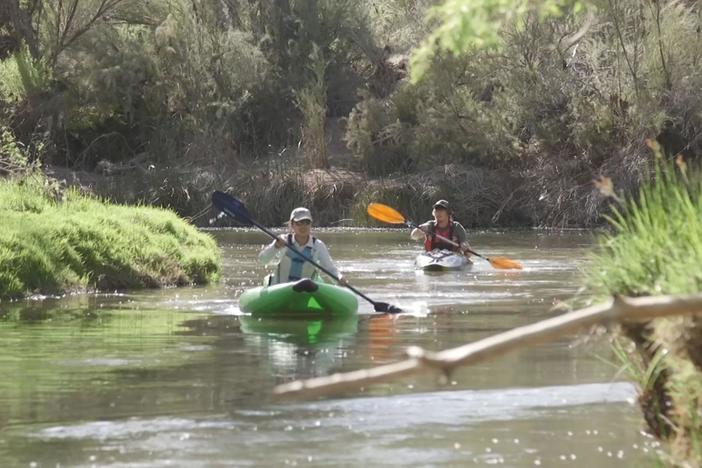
(620,309)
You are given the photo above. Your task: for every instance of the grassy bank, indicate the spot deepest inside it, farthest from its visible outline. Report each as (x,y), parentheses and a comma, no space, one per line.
(54,241)
(656,248)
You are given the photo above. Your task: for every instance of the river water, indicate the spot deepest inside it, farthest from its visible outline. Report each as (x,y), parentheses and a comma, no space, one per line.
(176,377)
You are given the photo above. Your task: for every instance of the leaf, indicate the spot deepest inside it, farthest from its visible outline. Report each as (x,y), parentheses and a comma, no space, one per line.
(605,186)
(682,165)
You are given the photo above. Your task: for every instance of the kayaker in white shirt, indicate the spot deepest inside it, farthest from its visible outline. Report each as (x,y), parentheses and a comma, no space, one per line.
(291,267)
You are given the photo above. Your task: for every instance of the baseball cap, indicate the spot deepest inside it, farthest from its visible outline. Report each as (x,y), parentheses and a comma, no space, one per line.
(442,204)
(298,214)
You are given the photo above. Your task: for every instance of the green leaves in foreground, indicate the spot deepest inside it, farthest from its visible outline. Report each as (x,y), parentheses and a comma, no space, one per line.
(51,243)
(464,25)
(656,246)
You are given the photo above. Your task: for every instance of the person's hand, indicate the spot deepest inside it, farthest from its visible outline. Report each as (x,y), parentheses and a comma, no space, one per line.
(465,248)
(281,241)
(419,234)
(343,281)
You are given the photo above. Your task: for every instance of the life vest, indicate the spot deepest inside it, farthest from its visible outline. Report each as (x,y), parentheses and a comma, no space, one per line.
(296,262)
(432,242)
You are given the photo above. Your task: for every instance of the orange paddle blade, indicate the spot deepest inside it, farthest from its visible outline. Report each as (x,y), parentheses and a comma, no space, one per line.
(385,213)
(503,263)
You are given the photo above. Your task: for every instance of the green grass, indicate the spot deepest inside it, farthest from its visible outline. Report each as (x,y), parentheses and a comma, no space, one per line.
(655,247)
(53,241)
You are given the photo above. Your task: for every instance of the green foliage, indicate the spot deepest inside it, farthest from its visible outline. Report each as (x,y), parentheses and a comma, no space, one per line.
(400,24)
(565,98)
(15,157)
(289,31)
(11,156)
(179,80)
(464,25)
(55,241)
(656,246)
(186,82)
(377,138)
(183,86)
(312,102)
(646,375)
(63,23)
(22,76)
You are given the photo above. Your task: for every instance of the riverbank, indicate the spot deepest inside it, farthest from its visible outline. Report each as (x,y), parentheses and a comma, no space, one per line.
(272,187)
(57,240)
(656,248)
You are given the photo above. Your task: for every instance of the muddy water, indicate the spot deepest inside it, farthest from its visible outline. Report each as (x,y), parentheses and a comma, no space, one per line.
(178,377)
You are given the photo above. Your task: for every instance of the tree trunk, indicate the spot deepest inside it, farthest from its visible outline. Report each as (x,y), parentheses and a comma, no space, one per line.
(19,23)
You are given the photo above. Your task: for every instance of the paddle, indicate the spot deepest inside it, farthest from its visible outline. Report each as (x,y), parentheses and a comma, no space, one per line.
(236,209)
(390,215)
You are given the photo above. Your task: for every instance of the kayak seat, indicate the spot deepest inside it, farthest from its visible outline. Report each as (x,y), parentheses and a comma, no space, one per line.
(305,285)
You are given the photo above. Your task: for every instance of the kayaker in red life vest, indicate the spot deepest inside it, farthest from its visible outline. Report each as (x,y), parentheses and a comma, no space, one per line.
(443,225)
(290,266)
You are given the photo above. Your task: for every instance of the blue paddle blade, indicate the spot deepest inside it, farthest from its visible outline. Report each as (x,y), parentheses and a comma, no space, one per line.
(231,206)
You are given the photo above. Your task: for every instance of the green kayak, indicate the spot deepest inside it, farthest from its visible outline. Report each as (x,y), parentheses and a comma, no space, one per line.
(300,299)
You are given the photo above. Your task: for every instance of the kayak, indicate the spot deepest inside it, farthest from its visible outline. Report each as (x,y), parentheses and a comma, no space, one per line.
(299,299)
(441,260)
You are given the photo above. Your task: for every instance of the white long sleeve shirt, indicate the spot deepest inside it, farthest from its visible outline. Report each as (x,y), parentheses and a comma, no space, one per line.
(290,263)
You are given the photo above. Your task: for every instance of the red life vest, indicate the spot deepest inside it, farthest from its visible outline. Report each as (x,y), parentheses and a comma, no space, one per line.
(432,242)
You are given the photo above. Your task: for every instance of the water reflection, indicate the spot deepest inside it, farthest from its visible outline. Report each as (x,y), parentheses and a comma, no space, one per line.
(298,347)
(301,332)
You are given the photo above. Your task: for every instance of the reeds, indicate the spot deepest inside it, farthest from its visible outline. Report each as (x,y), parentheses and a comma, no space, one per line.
(656,248)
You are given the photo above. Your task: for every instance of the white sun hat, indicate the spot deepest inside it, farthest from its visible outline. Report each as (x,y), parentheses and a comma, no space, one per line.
(298,214)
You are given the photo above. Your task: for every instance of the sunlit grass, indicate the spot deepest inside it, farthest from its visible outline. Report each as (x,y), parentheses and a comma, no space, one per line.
(655,247)
(52,241)
(22,75)
(656,244)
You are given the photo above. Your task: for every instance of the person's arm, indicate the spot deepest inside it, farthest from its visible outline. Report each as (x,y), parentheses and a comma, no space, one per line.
(419,233)
(462,237)
(273,252)
(324,259)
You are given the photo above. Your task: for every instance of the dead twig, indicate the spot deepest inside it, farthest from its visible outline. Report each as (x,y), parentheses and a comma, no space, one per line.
(620,309)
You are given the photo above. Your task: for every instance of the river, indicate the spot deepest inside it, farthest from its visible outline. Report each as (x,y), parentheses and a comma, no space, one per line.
(171,377)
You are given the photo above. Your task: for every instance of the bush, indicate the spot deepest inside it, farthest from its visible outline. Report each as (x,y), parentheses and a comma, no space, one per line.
(377,138)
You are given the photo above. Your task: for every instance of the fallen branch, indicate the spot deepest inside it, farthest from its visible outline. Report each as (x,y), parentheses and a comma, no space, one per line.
(620,309)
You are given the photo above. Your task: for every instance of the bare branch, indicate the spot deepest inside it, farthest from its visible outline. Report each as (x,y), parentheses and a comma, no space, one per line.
(622,43)
(69,32)
(568,41)
(620,309)
(70,16)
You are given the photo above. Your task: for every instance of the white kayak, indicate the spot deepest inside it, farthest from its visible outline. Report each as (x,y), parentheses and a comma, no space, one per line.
(441,260)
